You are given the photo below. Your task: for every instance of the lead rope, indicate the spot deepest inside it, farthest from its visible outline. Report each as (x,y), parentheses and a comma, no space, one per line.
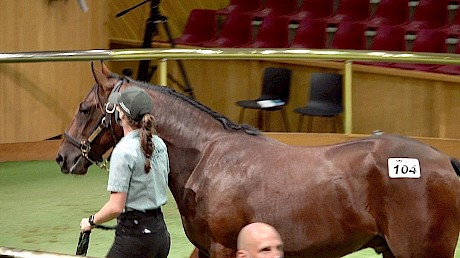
(83,240)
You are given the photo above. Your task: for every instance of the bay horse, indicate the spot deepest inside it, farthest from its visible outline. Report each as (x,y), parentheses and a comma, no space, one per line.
(325,201)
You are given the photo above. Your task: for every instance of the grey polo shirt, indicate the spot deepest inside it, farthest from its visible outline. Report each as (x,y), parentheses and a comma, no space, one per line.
(144,191)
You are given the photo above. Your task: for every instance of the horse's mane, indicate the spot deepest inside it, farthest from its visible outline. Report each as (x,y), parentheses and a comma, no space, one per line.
(227,123)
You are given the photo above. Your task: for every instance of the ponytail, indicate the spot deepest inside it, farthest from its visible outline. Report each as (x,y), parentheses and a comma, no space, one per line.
(147,129)
(147,125)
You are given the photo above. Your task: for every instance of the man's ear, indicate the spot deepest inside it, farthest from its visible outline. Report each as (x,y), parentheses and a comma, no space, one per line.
(241,254)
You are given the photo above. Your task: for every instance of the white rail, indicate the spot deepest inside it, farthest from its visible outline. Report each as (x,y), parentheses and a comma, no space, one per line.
(12,252)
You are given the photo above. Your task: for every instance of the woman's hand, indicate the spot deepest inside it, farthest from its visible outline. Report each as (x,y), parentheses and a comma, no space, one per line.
(84,225)
(112,209)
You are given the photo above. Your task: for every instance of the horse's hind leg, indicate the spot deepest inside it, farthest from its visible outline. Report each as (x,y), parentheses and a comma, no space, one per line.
(421,217)
(423,241)
(379,244)
(388,254)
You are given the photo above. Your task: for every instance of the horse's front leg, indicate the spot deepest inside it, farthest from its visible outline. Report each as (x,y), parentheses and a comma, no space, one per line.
(195,253)
(198,254)
(220,252)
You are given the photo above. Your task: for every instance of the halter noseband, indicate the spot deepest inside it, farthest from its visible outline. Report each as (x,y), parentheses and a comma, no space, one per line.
(105,123)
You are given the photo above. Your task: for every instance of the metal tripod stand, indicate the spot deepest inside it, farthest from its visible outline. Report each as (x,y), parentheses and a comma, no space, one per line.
(145,71)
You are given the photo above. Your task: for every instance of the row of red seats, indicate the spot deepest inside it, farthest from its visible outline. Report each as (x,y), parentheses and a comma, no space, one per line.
(237,31)
(309,8)
(394,12)
(201,26)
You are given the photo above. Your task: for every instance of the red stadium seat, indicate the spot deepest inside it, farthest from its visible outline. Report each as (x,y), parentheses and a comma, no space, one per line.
(387,38)
(201,27)
(389,12)
(350,10)
(273,33)
(349,35)
(236,31)
(429,14)
(311,33)
(453,29)
(313,9)
(276,8)
(240,6)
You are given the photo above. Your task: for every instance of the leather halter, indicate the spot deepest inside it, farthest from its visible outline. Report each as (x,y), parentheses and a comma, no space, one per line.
(105,123)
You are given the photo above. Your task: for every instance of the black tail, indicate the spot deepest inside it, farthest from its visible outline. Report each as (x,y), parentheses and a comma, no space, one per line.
(456,165)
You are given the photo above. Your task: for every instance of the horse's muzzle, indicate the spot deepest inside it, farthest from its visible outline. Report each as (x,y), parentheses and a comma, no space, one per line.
(73,166)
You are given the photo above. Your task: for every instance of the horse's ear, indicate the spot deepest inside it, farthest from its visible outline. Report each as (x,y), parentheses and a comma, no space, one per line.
(100,78)
(105,70)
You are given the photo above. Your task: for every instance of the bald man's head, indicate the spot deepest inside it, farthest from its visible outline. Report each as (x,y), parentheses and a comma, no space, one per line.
(259,240)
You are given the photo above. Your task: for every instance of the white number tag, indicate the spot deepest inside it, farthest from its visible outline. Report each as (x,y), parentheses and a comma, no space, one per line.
(403,168)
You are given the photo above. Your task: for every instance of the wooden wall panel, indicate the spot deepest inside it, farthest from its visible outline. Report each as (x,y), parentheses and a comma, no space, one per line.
(447,110)
(405,105)
(52,25)
(393,104)
(37,100)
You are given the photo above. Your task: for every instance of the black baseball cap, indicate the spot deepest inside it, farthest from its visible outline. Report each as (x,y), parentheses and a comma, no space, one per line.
(134,101)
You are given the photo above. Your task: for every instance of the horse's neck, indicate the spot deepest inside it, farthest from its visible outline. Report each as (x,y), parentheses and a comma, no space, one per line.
(187,131)
(184,125)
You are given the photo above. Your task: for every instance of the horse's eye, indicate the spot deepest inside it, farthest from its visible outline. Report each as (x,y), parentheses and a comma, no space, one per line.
(84,109)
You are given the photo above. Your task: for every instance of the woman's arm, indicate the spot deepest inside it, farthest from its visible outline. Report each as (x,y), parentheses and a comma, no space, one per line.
(109,211)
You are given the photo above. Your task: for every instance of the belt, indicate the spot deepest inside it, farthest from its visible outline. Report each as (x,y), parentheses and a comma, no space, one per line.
(153,211)
(136,214)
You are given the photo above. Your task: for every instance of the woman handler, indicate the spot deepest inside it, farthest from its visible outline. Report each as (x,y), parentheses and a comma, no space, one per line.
(137,183)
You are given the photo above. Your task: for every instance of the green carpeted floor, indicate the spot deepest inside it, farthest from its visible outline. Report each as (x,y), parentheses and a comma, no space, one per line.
(41,209)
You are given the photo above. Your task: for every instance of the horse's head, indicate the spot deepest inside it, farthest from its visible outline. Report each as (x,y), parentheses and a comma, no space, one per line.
(93,130)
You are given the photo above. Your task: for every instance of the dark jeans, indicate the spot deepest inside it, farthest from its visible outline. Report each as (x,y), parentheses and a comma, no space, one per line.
(141,235)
